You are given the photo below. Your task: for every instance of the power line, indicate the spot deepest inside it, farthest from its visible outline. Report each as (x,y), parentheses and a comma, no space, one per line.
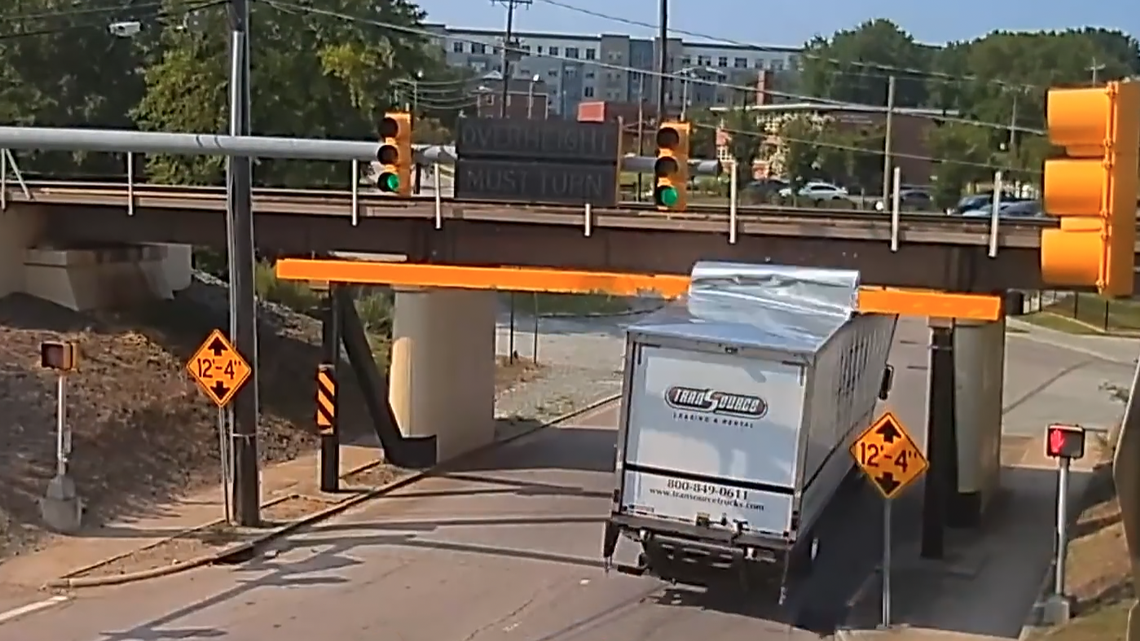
(76,12)
(876,152)
(288,6)
(801,53)
(103,24)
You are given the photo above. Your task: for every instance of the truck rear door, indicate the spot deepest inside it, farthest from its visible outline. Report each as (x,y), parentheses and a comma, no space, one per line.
(712,435)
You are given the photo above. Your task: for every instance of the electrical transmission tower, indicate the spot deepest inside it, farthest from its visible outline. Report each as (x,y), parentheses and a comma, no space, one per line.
(510,52)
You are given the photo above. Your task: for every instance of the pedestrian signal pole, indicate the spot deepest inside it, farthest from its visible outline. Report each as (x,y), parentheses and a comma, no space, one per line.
(1064,443)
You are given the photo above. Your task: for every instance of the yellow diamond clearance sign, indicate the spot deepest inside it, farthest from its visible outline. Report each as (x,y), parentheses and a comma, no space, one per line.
(218,368)
(889,456)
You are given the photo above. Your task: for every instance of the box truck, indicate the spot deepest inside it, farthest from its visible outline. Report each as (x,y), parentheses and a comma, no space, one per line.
(739,405)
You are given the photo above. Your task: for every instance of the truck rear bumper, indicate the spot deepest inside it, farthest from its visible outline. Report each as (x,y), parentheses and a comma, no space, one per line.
(699,556)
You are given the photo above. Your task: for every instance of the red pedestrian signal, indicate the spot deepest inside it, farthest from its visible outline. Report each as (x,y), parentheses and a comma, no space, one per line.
(1065,441)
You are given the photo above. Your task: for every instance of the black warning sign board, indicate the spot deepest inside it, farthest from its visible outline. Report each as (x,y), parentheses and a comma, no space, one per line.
(558,162)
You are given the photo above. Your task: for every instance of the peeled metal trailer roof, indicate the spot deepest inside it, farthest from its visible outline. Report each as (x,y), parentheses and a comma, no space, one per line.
(768,306)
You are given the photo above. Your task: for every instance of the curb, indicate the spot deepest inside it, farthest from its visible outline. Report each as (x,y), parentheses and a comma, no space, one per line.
(238,550)
(1034,621)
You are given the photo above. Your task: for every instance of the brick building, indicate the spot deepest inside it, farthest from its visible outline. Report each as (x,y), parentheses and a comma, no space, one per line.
(525,99)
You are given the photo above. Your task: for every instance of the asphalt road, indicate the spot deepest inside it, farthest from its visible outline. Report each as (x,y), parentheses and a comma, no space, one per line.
(507,548)
(496,551)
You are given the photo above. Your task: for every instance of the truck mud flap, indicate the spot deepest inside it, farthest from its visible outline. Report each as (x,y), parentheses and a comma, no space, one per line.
(610,537)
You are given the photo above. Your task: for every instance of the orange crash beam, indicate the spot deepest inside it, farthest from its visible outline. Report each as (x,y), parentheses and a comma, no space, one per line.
(875,300)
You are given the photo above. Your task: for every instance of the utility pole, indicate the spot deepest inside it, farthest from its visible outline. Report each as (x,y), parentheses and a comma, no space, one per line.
(1011,144)
(640,127)
(662,60)
(508,53)
(887,139)
(243,412)
(1095,68)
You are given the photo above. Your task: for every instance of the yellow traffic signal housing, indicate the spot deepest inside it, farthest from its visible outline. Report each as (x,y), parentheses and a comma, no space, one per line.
(1093,190)
(395,154)
(671,171)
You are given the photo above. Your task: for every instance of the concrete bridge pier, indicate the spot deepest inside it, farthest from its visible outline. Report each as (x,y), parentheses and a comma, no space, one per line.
(979,364)
(442,378)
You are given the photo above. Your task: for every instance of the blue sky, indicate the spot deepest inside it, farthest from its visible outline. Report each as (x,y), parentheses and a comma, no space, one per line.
(792,23)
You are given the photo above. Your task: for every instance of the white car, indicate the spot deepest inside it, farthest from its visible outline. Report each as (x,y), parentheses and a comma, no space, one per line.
(817,190)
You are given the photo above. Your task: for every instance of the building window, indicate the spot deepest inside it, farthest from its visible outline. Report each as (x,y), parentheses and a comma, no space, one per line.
(588,92)
(686,61)
(572,52)
(457,47)
(722,61)
(539,49)
(478,48)
(526,48)
(703,61)
(590,54)
(554,51)
(760,63)
(777,65)
(571,72)
(589,75)
(740,63)
(553,73)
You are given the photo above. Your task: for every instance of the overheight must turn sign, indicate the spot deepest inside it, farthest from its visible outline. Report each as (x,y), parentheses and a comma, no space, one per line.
(889,456)
(218,368)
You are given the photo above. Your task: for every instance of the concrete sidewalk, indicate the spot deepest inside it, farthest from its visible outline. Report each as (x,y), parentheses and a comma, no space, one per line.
(63,554)
(987,585)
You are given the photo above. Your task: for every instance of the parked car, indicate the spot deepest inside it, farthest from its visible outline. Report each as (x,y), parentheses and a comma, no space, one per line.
(1016,209)
(909,200)
(817,191)
(982,200)
(761,189)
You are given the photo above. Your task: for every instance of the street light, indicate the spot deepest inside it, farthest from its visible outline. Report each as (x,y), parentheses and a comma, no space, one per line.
(689,73)
(530,97)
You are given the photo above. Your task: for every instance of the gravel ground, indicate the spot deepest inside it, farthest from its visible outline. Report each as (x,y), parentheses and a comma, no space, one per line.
(581,360)
(144,434)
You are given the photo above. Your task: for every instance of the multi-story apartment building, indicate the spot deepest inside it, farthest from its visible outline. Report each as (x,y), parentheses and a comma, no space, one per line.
(617,68)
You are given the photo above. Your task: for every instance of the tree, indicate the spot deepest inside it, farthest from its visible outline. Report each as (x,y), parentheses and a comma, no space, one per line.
(856,65)
(702,135)
(313,75)
(793,152)
(745,133)
(60,67)
(963,155)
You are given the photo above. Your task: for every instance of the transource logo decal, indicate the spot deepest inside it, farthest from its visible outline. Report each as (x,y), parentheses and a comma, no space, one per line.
(716,402)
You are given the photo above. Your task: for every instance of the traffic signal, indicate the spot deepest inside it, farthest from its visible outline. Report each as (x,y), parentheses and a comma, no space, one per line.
(395,154)
(1093,189)
(60,356)
(672,167)
(1065,441)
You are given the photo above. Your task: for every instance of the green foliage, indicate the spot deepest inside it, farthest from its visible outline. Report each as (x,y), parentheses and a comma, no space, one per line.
(1000,79)
(313,75)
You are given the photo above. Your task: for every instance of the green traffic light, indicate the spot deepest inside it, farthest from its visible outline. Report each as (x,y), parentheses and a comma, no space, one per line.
(389,182)
(667,196)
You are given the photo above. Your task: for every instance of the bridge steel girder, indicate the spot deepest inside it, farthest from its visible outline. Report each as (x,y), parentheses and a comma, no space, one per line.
(945,266)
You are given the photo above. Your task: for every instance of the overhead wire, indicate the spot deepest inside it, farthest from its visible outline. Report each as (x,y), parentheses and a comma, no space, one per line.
(823,102)
(717,39)
(159,10)
(875,152)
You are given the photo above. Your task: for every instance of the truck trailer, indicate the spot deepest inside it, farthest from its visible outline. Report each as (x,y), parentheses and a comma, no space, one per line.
(739,405)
